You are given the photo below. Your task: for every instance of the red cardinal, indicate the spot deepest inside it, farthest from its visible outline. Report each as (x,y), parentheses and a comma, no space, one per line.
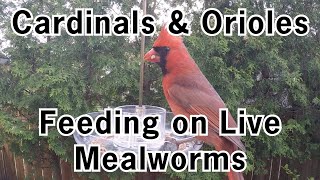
(188,91)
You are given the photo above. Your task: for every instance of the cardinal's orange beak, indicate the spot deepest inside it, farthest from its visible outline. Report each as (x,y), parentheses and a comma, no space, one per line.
(152,56)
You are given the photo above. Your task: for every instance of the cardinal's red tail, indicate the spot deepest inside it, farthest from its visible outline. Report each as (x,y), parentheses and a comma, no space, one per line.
(222,144)
(235,175)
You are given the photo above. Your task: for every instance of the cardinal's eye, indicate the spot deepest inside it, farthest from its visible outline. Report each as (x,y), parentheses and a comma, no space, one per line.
(161,49)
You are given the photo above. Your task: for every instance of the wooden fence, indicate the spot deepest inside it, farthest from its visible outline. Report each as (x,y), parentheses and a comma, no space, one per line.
(13,167)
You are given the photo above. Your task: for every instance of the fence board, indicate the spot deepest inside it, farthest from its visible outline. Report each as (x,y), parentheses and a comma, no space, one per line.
(19,167)
(76,176)
(9,163)
(66,172)
(2,170)
(37,173)
(28,171)
(47,173)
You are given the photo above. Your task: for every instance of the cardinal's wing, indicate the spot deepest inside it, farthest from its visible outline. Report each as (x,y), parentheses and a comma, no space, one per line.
(197,99)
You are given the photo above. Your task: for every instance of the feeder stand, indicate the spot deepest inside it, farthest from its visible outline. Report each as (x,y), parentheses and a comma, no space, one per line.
(143,40)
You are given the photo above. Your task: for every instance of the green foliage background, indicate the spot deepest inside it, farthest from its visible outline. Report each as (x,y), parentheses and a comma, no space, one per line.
(266,75)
